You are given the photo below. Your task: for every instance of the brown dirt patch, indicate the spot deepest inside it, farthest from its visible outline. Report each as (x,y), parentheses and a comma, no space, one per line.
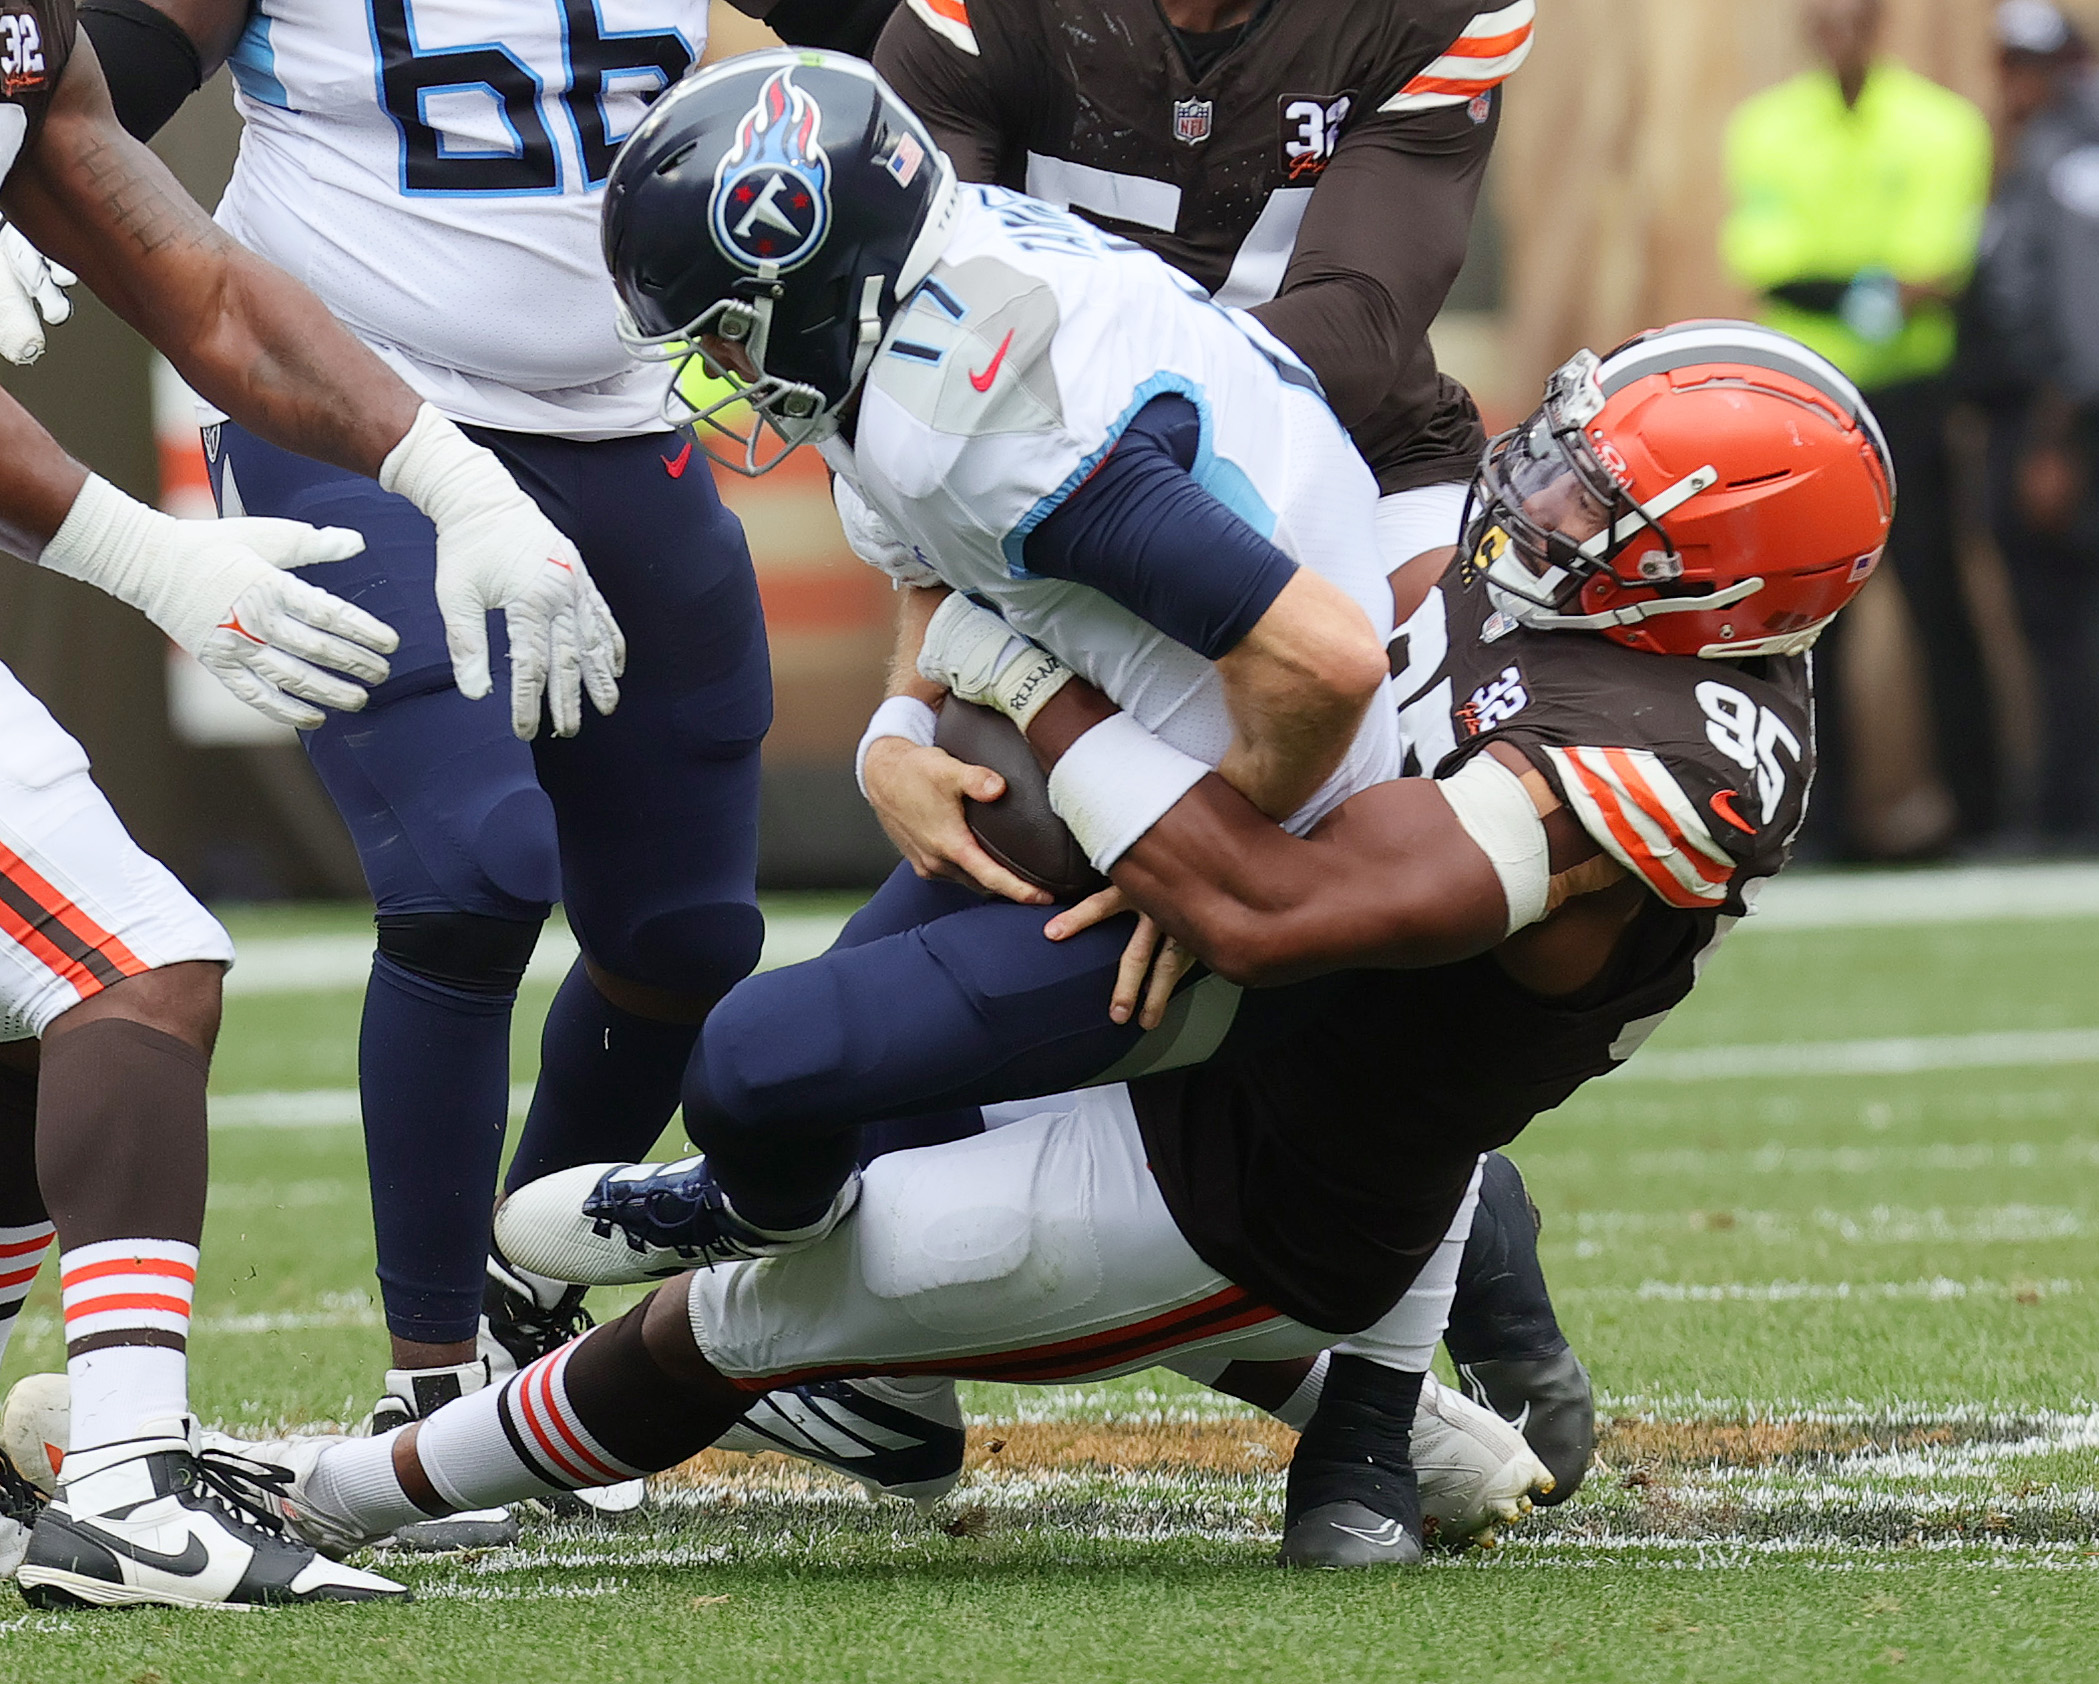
(1229,1447)
(1641,1449)
(1629,1442)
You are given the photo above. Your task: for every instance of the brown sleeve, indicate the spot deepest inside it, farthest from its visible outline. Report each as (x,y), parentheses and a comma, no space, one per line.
(1382,240)
(952,93)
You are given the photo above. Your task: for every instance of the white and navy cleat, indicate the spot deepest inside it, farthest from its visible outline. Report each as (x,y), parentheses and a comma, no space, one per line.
(627,1224)
(895,1438)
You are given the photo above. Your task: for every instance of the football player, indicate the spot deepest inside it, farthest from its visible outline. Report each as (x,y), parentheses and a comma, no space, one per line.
(1047,418)
(1317,164)
(1618,653)
(435,174)
(1056,421)
(109,972)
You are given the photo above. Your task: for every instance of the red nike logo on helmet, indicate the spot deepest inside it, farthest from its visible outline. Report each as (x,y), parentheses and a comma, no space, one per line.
(1723,803)
(983,381)
(675,465)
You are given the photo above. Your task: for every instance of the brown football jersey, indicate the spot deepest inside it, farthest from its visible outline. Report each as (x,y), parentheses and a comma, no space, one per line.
(36,40)
(1319,167)
(1319,1157)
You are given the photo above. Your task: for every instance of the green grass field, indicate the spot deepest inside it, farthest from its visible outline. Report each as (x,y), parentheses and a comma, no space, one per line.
(1835,1283)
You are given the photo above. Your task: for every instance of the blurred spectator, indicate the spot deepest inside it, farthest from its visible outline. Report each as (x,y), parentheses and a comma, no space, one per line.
(1858,191)
(2032,359)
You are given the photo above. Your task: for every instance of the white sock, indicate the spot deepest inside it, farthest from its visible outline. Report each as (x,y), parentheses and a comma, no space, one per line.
(117,1390)
(470,1449)
(116,1292)
(21,1255)
(355,1481)
(1296,1410)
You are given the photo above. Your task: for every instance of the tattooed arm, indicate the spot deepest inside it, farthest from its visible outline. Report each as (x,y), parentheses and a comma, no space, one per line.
(241,331)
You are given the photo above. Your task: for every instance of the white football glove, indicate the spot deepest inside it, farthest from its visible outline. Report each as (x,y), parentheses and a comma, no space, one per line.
(496,550)
(980,658)
(868,536)
(215,587)
(30,285)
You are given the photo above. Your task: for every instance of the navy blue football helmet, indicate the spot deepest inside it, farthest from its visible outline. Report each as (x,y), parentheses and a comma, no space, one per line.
(783,205)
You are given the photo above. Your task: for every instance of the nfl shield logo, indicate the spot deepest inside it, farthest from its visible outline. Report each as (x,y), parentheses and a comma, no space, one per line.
(1191,120)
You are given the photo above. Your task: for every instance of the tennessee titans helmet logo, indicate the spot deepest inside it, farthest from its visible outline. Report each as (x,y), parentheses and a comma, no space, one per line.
(772,192)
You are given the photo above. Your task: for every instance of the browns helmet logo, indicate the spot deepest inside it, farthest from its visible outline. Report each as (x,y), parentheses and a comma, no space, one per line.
(772,192)
(1493,545)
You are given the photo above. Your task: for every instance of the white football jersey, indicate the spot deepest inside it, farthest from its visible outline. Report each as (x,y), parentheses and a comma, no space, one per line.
(1011,373)
(433,169)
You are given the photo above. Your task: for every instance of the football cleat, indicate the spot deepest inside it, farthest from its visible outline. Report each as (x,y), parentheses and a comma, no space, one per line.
(411,1394)
(1353,1498)
(156,1520)
(285,1495)
(1549,1400)
(35,1424)
(20,1505)
(1474,1469)
(523,1317)
(626,1224)
(895,1438)
(1348,1534)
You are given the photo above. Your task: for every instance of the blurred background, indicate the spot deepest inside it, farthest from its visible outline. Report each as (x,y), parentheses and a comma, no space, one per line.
(1612,187)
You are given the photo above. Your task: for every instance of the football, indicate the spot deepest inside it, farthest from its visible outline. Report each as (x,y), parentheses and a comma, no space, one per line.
(1020,829)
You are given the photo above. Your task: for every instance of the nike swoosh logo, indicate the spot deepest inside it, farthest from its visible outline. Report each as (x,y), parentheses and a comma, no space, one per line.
(983,381)
(1390,1532)
(192,1561)
(675,465)
(1723,803)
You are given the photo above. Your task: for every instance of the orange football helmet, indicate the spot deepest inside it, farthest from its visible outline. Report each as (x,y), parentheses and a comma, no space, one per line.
(1713,488)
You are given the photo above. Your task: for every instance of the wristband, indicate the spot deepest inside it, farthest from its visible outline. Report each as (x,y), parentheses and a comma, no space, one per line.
(1497,812)
(899,716)
(1115,783)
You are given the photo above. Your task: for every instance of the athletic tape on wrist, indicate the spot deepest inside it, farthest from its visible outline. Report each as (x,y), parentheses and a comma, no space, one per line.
(443,472)
(1115,783)
(1497,812)
(899,716)
(118,545)
(1027,682)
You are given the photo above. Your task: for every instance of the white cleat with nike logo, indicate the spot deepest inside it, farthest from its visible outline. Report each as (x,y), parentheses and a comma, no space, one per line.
(1477,1472)
(157,1520)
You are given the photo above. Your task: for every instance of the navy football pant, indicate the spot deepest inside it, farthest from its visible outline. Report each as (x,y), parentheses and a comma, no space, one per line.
(644,826)
(932,1002)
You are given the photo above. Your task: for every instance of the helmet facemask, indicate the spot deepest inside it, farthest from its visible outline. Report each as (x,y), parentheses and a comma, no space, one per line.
(795,412)
(1547,515)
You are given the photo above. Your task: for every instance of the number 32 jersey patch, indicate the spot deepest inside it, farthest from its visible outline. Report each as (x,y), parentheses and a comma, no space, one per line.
(1693,775)
(36,39)
(432,169)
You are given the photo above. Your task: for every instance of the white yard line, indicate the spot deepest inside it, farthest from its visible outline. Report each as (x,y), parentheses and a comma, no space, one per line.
(1807,901)
(1895,1055)
(337,963)
(1936,1290)
(1830,900)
